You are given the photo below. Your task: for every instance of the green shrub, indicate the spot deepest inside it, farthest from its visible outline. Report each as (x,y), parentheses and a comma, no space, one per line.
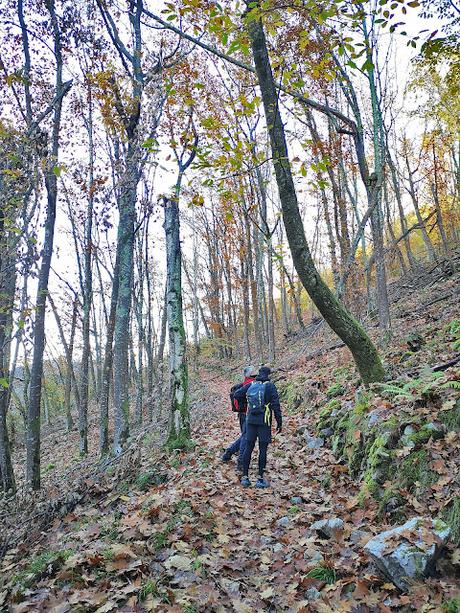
(46,562)
(452,605)
(334,390)
(149,478)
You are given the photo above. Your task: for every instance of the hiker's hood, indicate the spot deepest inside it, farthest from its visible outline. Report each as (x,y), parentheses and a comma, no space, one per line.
(264,374)
(262,378)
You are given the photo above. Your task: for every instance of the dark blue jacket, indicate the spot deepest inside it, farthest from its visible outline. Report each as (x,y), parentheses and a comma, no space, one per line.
(271,398)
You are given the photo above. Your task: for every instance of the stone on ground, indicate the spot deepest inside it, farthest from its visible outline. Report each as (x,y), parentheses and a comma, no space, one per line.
(408,552)
(328,527)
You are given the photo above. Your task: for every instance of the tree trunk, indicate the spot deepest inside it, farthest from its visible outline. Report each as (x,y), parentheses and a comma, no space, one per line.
(402,217)
(413,194)
(179,424)
(121,380)
(7,290)
(108,362)
(88,290)
(69,370)
(364,352)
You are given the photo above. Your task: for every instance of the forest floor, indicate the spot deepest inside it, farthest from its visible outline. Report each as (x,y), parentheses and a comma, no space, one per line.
(174,531)
(200,542)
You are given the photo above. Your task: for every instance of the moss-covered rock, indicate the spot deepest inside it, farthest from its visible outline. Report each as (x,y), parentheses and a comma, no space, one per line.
(414,472)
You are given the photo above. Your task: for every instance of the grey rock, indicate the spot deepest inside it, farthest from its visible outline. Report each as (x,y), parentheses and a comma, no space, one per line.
(328,527)
(312,594)
(277,547)
(266,540)
(437,430)
(408,430)
(405,561)
(301,430)
(357,536)
(313,556)
(327,432)
(376,416)
(296,500)
(313,442)
(283,522)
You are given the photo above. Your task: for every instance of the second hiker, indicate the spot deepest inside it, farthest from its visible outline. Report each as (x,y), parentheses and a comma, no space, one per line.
(239,406)
(263,400)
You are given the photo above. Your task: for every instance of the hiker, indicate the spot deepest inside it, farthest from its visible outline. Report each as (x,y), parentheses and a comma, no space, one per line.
(239,406)
(263,400)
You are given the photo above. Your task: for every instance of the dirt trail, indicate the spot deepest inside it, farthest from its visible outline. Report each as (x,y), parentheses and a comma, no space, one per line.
(201,542)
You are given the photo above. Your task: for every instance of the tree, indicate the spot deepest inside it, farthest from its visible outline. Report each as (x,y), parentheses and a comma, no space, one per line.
(365,355)
(51,177)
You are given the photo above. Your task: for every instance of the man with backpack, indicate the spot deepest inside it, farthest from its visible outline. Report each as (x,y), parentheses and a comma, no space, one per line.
(262,401)
(239,406)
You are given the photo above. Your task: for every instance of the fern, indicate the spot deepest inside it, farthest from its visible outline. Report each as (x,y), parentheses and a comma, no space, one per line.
(453,330)
(455,385)
(413,388)
(323,573)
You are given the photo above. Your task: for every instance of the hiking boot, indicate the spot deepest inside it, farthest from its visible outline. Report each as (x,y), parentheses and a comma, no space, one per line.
(262,484)
(245,482)
(226,457)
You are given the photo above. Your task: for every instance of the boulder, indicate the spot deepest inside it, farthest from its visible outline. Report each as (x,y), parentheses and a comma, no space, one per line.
(408,552)
(328,527)
(327,432)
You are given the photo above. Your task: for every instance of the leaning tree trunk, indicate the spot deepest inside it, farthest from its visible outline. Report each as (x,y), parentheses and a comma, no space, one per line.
(365,355)
(179,424)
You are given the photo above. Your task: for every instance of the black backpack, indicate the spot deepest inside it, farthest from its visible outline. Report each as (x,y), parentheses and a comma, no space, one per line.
(257,409)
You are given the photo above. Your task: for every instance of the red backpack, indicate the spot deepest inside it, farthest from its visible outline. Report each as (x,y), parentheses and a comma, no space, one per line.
(241,405)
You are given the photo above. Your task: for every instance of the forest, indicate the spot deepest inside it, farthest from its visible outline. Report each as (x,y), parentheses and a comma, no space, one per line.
(192,189)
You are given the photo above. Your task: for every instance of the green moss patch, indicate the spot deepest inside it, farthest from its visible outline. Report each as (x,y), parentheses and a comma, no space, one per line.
(414,471)
(334,390)
(452,517)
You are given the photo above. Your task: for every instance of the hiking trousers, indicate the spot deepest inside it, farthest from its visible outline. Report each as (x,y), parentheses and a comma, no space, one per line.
(263,435)
(239,445)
